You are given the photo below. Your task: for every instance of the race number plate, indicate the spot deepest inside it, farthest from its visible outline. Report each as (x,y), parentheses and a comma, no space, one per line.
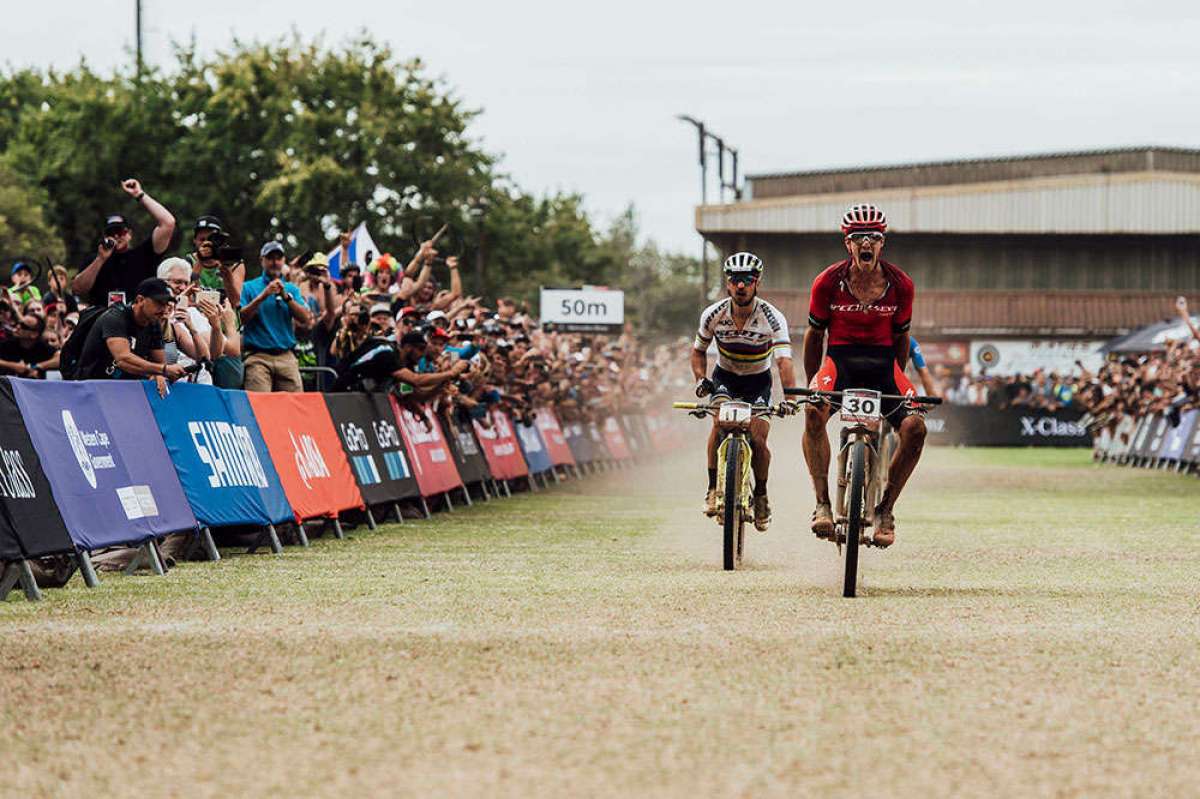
(737,413)
(861,406)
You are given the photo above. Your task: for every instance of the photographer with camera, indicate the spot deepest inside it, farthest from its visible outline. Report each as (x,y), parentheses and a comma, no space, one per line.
(27,353)
(315,341)
(270,309)
(215,265)
(118,267)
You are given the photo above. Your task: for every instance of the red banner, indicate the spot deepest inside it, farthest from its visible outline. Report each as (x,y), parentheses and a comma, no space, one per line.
(432,462)
(500,446)
(664,436)
(614,437)
(307,453)
(552,434)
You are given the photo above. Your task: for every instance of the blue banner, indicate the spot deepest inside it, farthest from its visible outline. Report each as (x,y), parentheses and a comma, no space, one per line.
(219,455)
(108,468)
(533,448)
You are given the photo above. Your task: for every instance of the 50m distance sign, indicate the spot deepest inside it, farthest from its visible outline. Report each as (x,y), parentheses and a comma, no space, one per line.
(586,309)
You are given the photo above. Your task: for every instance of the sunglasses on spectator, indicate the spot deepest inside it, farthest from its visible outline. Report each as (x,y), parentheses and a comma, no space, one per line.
(860,238)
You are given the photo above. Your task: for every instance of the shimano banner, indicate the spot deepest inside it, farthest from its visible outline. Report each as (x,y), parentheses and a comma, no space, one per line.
(500,447)
(222,462)
(431,458)
(307,453)
(553,437)
(108,467)
(371,438)
(30,525)
(468,457)
(533,448)
(972,426)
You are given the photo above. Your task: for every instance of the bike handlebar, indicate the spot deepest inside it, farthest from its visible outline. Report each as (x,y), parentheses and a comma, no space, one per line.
(808,392)
(700,409)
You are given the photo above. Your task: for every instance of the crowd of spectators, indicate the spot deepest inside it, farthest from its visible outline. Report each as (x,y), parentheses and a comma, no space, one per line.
(1124,389)
(145,312)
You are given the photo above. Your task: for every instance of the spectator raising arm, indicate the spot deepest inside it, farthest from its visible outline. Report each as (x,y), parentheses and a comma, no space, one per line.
(1181,305)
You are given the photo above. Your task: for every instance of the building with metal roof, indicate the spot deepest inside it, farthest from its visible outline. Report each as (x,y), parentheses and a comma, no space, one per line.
(1081,245)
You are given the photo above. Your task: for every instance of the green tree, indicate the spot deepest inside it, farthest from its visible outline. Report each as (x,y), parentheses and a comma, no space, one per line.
(24,230)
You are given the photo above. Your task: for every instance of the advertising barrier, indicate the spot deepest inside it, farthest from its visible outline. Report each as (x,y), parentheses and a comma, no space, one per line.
(614,439)
(579,441)
(30,525)
(109,471)
(219,455)
(500,447)
(1175,442)
(371,439)
(468,456)
(553,437)
(533,448)
(959,425)
(307,453)
(600,451)
(431,459)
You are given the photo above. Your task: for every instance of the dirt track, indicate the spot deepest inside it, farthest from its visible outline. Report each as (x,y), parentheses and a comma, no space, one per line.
(1034,631)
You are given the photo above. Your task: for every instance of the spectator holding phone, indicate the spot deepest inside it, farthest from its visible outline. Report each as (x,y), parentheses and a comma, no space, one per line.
(28,354)
(119,267)
(22,289)
(270,307)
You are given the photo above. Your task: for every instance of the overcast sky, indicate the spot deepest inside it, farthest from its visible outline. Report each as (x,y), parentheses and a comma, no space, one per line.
(584,98)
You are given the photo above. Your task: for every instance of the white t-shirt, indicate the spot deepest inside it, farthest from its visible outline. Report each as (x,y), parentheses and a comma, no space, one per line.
(747,351)
(203,331)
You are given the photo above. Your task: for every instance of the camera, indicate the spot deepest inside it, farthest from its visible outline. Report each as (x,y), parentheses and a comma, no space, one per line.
(314,270)
(229,255)
(110,243)
(363,316)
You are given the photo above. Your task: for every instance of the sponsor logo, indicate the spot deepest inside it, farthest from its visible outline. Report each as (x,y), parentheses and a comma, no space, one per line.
(229,452)
(466,443)
(309,460)
(386,434)
(365,470)
(1047,426)
(354,437)
(855,307)
(530,438)
(80,441)
(14,480)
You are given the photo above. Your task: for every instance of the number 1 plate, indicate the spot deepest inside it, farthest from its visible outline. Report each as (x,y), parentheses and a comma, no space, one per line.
(861,406)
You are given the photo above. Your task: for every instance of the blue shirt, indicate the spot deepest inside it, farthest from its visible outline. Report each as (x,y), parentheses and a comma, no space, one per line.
(271,327)
(464,353)
(914,354)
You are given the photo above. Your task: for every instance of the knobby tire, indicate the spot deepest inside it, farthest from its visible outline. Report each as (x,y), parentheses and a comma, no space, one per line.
(854,520)
(733,502)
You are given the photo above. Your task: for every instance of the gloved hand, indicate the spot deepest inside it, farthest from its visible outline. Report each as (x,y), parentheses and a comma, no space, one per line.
(789,408)
(704,387)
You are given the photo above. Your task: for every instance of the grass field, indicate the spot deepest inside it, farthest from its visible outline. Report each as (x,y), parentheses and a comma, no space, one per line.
(1035,631)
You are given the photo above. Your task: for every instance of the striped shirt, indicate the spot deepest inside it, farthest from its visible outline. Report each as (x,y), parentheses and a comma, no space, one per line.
(746,351)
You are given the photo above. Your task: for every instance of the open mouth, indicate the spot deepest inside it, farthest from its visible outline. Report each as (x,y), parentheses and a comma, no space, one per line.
(866,255)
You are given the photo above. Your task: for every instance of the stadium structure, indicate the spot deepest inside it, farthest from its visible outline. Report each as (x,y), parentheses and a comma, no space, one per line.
(1016,252)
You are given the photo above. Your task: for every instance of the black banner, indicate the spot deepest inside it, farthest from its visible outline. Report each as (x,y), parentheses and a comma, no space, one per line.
(30,524)
(371,438)
(599,445)
(959,425)
(464,448)
(635,434)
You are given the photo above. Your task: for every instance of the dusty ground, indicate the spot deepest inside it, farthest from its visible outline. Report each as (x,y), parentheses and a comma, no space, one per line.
(1035,631)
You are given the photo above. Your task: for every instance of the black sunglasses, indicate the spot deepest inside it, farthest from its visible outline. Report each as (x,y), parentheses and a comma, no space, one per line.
(743,279)
(861,237)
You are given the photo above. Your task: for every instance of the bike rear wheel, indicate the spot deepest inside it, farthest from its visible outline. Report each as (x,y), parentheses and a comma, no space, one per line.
(854,519)
(734,522)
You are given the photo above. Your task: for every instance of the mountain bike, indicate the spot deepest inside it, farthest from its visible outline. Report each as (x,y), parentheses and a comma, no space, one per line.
(733,466)
(864,457)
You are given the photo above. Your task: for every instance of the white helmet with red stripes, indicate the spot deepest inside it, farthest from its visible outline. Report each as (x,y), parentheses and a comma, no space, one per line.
(864,217)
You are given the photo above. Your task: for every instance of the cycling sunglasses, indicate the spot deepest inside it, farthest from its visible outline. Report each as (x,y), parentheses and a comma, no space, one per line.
(742,279)
(859,238)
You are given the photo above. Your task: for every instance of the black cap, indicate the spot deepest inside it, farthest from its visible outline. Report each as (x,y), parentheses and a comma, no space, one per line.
(115,222)
(412,340)
(209,223)
(154,289)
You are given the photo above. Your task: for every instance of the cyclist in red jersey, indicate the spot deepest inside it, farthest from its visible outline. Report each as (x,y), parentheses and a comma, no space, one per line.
(864,305)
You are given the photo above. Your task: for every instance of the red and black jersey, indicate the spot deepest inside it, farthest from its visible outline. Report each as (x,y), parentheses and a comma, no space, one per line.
(832,306)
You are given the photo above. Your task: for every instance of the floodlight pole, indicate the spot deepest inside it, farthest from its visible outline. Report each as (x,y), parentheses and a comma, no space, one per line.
(138,32)
(704,136)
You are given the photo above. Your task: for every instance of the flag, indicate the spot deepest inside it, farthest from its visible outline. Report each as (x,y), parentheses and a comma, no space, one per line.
(361,244)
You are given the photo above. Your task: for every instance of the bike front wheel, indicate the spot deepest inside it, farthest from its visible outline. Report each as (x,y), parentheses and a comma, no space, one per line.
(734,520)
(854,520)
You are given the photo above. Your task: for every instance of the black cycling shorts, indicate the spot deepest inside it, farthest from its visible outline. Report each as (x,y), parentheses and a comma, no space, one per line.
(755,389)
(866,366)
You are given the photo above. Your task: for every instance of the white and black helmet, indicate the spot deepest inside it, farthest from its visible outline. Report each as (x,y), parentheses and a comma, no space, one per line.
(742,263)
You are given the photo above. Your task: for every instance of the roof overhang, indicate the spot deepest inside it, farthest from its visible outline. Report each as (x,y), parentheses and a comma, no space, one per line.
(1127,203)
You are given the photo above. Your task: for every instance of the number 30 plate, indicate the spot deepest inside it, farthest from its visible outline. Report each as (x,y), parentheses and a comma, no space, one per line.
(861,406)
